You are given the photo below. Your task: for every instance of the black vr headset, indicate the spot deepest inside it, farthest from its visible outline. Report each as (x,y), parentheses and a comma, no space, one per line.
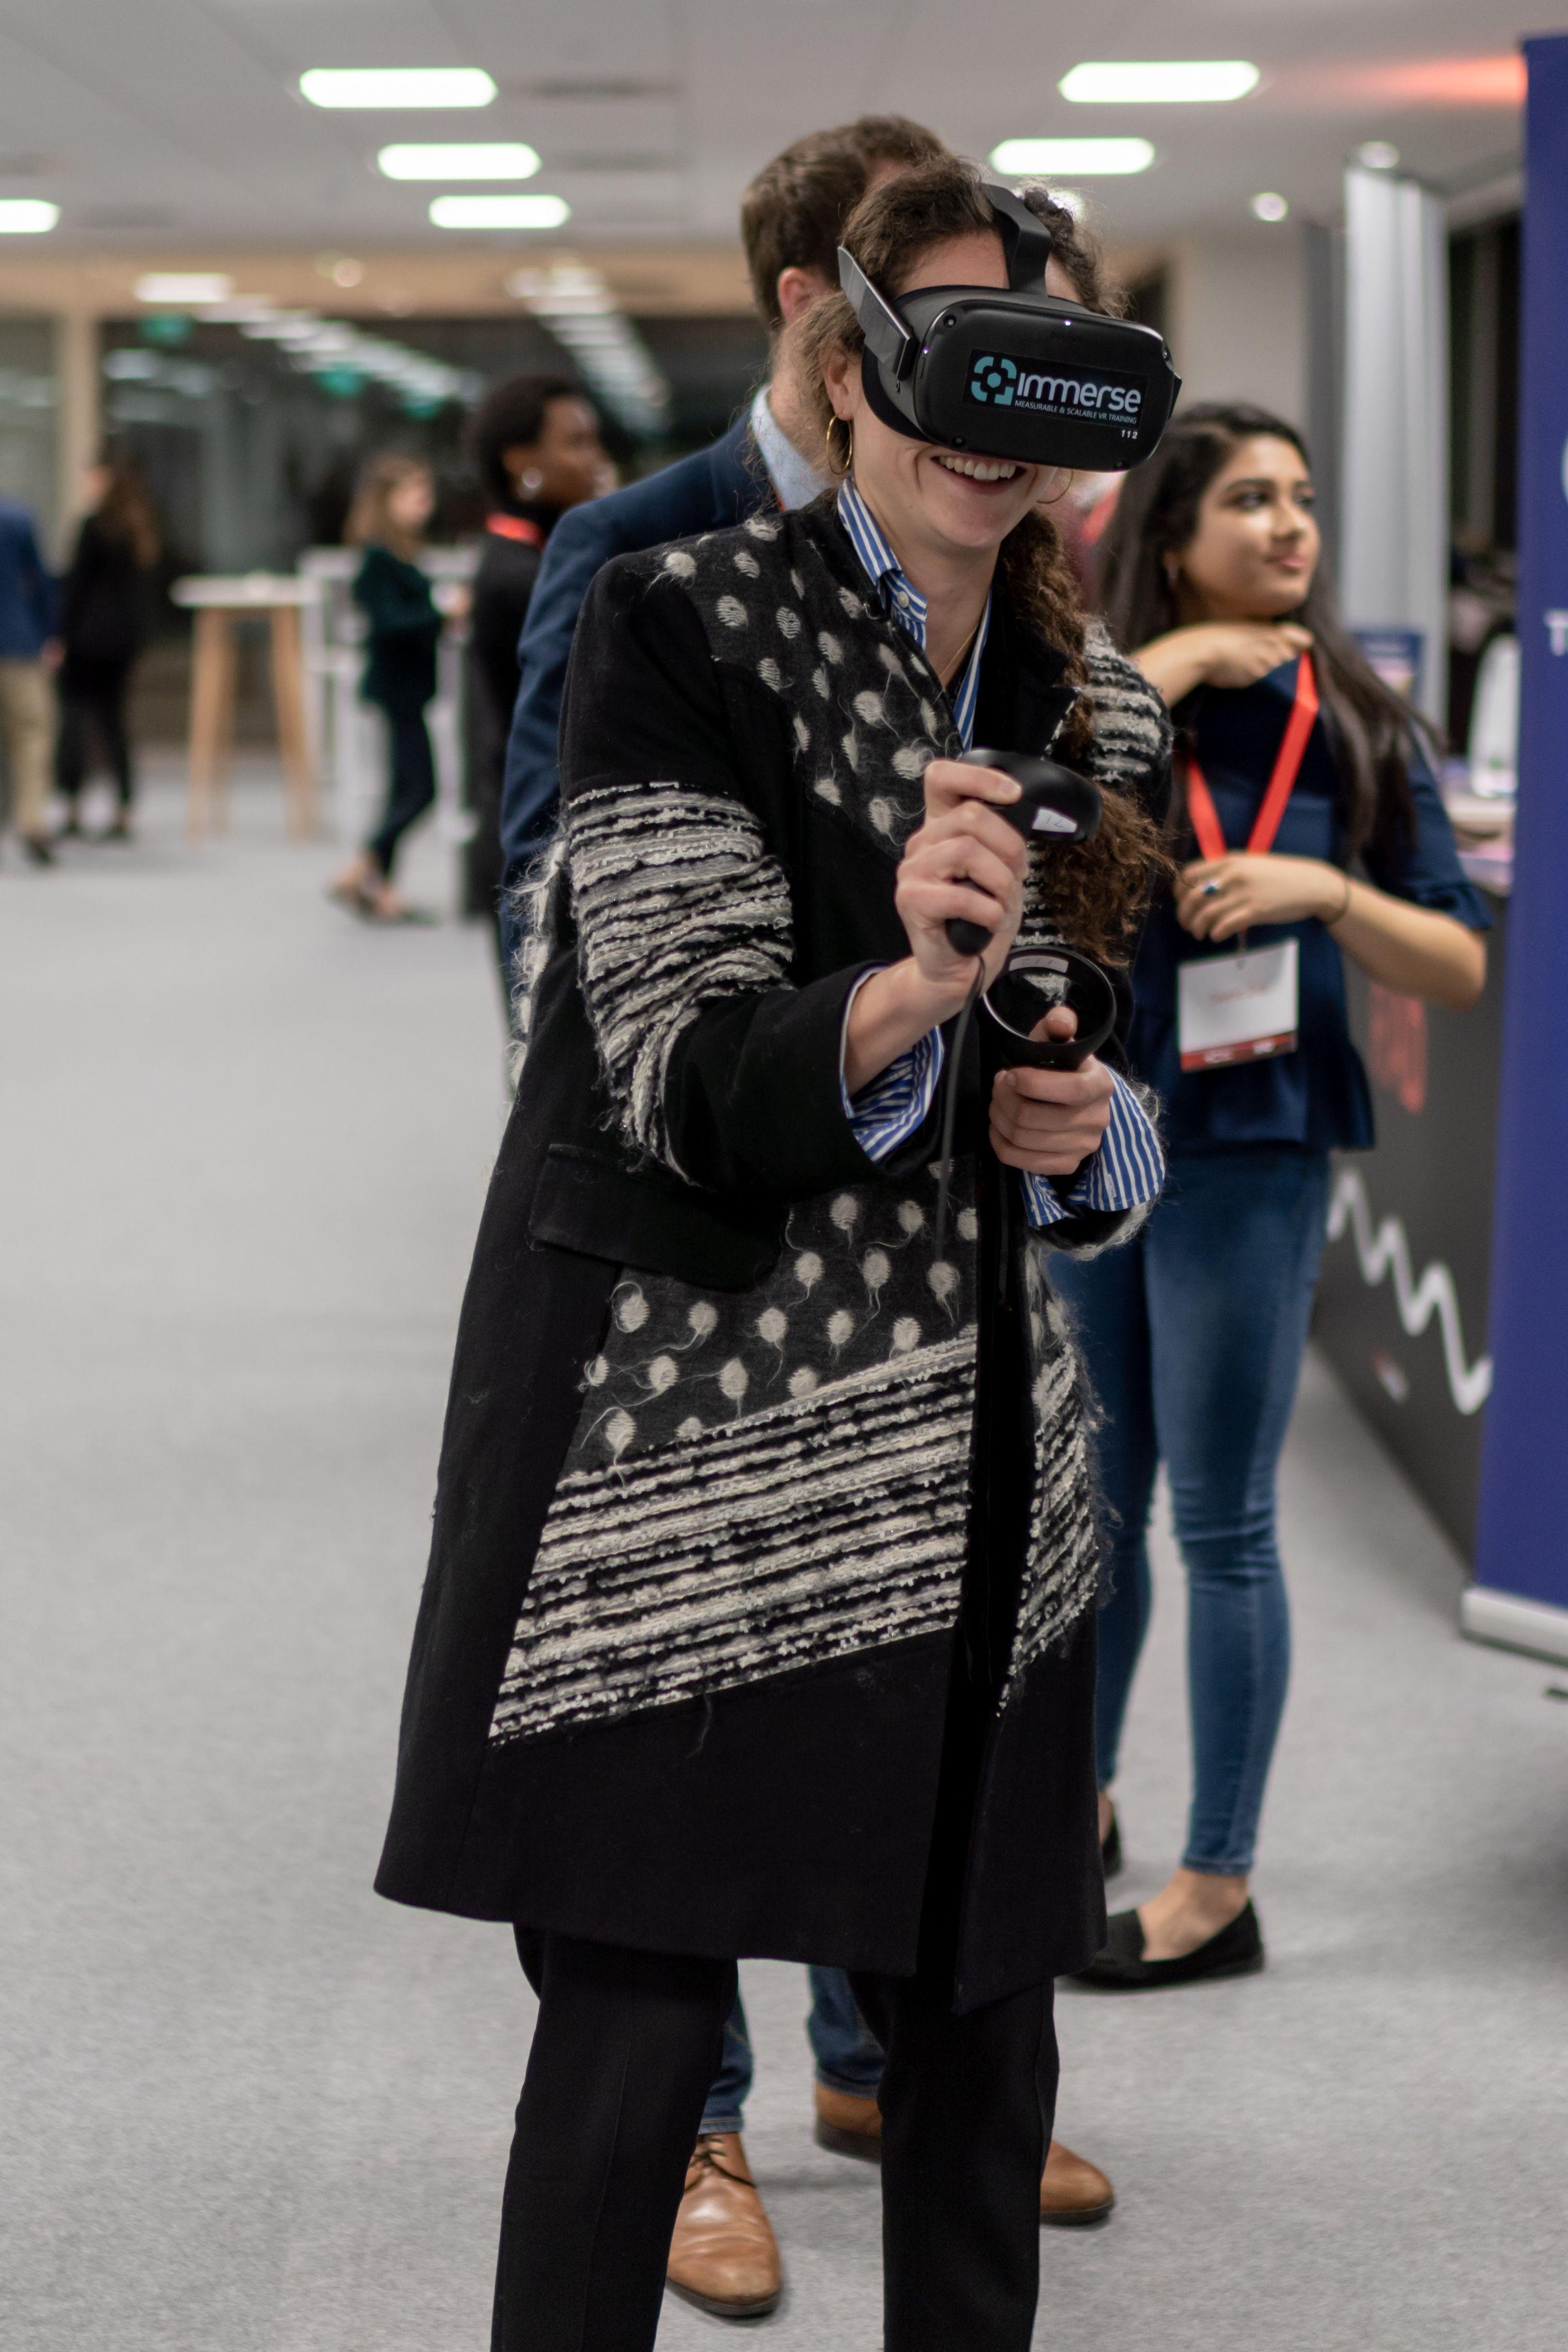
(1021,374)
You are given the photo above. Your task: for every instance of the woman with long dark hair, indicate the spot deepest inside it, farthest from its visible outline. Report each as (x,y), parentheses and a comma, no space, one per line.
(103,621)
(1308,826)
(759,1616)
(535,441)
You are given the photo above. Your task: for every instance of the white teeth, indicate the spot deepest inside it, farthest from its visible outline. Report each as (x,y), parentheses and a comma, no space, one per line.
(979,469)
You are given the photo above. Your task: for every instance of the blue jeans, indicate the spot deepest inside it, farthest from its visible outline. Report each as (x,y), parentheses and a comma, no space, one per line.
(1193,1337)
(848,2057)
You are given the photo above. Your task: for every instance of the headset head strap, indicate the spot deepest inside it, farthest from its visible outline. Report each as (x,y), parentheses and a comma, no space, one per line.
(1027,241)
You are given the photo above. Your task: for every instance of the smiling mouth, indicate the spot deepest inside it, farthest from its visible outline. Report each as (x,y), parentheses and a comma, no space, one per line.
(978,469)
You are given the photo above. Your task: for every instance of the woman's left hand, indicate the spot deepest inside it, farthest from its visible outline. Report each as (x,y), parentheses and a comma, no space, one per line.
(1217,897)
(1047,1122)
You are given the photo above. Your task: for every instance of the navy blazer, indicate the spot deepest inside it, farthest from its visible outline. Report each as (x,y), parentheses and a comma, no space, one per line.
(27,600)
(713,490)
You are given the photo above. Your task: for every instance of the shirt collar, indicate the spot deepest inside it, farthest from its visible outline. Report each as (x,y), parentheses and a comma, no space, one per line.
(795,479)
(904,602)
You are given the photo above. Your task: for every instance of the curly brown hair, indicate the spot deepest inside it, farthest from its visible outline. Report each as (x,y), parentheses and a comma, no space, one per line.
(1095,889)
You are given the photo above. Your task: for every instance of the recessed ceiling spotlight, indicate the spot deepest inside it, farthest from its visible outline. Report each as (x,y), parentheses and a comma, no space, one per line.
(1378,156)
(397,86)
(1269,207)
(499,212)
(1177,81)
(166,286)
(466,159)
(27,215)
(1082,157)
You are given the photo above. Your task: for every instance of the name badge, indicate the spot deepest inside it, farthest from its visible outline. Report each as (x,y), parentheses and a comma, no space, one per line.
(1237,1008)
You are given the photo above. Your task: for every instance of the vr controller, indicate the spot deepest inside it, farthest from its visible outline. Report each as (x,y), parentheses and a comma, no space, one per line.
(1056,805)
(1018,375)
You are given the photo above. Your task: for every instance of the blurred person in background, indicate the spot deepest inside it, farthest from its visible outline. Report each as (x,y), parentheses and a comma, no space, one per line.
(773,459)
(1193,1335)
(391,512)
(537,450)
(27,651)
(683,1378)
(103,618)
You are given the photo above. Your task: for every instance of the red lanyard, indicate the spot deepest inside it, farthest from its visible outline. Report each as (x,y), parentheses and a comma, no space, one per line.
(1282,783)
(508,526)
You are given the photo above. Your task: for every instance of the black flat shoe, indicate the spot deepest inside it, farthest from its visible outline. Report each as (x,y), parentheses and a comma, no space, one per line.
(1235,1951)
(1110,1847)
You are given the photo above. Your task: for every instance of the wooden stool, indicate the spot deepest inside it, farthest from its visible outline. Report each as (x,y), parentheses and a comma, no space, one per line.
(217,605)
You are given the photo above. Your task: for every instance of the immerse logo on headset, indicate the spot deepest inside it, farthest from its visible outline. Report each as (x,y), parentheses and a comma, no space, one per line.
(1102,396)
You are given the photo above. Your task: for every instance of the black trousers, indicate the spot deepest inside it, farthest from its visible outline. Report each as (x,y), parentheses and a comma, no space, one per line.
(624,2049)
(411,786)
(92,701)
(622,2055)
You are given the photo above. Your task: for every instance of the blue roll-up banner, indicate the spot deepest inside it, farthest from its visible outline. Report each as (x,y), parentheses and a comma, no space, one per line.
(1521,1560)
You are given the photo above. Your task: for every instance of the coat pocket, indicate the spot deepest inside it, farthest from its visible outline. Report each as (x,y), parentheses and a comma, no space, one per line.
(588,1201)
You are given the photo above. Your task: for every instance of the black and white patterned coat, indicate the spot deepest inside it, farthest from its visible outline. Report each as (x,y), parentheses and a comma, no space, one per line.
(715,1483)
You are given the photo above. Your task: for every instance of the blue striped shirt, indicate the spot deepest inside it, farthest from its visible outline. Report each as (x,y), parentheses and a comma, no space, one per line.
(902,602)
(1129,1168)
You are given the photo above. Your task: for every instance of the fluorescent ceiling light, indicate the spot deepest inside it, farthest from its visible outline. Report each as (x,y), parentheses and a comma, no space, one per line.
(1179,82)
(242,312)
(1082,157)
(499,212)
(132,366)
(471,159)
(388,85)
(283,327)
(166,286)
(27,215)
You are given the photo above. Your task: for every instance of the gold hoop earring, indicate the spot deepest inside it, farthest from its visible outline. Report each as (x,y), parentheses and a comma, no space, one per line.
(833,458)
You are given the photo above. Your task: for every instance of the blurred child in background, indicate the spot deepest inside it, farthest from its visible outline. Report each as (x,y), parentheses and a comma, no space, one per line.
(391,512)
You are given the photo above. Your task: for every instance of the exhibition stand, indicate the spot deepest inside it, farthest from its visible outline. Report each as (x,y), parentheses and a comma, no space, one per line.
(1520,1592)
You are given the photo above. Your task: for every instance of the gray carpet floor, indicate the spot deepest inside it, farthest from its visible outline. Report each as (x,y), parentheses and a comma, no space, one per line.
(246,2107)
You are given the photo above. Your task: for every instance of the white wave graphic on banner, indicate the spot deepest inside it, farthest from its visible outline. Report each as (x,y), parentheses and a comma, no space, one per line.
(1469,1385)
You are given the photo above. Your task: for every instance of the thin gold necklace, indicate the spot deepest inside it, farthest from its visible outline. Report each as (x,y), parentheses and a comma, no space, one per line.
(953,668)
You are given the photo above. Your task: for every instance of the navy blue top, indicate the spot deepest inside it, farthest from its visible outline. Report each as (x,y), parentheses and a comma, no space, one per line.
(26,589)
(713,490)
(1318,1097)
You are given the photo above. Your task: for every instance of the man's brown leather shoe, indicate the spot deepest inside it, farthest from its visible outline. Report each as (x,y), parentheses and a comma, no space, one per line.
(848,2124)
(723,2256)
(1073,2192)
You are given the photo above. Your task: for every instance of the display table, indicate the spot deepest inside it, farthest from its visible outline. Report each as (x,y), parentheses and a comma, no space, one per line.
(1403,1304)
(217,604)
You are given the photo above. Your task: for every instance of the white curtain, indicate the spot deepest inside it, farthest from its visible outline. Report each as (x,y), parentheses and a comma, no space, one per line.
(1393,558)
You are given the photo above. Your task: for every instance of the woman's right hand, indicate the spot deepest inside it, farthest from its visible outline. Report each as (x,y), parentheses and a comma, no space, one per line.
(1219,653)
(963,860)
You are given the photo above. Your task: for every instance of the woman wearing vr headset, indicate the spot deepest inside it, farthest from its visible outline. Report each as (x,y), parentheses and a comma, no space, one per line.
(1309,828)
(764,1527)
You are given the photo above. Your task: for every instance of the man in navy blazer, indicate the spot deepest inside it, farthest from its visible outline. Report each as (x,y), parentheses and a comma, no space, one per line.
(723,2255)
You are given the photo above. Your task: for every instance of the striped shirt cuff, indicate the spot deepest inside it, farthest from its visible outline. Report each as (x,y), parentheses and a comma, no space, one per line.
(892,1107)
(1125,1172)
